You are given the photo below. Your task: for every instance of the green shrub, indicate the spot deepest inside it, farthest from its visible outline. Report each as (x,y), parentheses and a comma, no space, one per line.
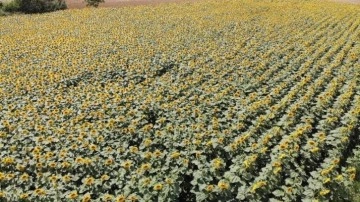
(33,6)
(41,6)
(12,6)
(2,13)
(94,3)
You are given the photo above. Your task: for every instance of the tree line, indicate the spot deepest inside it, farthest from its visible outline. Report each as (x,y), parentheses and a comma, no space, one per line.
(38,6)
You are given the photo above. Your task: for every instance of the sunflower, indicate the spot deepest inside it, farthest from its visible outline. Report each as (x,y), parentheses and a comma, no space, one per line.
(39,192)
(223,185)
(120,198)
(89,181)
(146,166)
(24,177)
(258,185)
(107,197)
(158,187)
(86,198)
(23,196)
(105,177)
(157,153)
(324,192)
(175,155)
(127,164)
(217,163)
(209,188)
(72,195)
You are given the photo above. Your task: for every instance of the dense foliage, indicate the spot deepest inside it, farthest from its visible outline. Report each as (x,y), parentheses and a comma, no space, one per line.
(11,7)
(34,6)
(215,100)
(41,6)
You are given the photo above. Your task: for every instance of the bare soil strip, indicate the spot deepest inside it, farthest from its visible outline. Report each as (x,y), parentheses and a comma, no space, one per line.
(348,1)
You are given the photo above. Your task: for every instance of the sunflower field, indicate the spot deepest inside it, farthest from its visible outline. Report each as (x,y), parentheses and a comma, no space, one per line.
(232,100)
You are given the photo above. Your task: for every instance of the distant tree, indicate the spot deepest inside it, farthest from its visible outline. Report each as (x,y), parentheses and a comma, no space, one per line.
(94,3)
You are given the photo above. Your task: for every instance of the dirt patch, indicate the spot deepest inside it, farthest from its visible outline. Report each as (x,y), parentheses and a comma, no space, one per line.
(348,1)
(120,3)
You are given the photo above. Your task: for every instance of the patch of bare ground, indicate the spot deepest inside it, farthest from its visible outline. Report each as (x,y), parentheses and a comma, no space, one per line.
(348,1)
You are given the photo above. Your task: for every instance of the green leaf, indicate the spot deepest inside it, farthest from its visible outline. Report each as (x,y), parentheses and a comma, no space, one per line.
(278,193)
